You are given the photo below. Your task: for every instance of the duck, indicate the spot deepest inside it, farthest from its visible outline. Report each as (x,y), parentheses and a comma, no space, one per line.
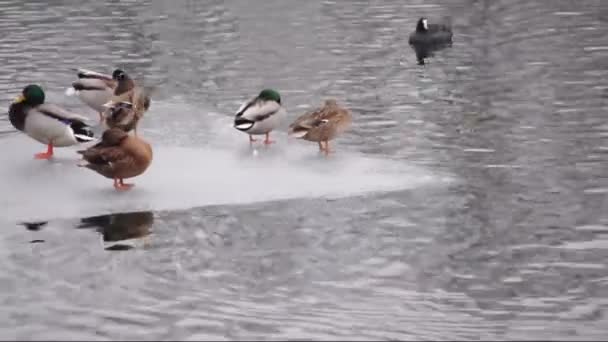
(128,92)
(322,124)
(260,115)
(427,34)
(94,88)
(121,115)
(47,123)
(99,90)
(118,156)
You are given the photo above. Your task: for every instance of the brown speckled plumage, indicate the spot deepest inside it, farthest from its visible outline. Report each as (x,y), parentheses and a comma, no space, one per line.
(118,155)
(323,124)
(128,91)
(122,115)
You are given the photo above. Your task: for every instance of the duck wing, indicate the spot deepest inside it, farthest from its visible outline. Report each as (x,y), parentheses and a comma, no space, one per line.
(315,119)
(105,155)
(93,84)
(108,155)
(86,73)
(106,160)
(93,80)
(59,113)
(258,110)
(141,98)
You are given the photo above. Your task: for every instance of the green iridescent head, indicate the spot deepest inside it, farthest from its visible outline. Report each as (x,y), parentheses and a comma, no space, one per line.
(32,95)
(270,95)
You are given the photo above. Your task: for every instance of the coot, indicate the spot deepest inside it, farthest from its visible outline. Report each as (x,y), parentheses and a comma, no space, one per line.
(430,34)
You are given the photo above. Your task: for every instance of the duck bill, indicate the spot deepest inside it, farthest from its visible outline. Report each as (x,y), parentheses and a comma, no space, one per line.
(19,99)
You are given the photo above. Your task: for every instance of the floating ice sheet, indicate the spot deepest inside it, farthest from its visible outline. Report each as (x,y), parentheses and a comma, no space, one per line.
(227,171)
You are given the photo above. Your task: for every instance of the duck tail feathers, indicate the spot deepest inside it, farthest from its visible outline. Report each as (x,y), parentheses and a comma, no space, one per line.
(82,132)
(71,91)
(243,124)
(83,138)
(297,133)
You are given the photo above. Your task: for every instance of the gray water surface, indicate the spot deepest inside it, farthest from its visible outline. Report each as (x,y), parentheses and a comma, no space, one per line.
(469,200)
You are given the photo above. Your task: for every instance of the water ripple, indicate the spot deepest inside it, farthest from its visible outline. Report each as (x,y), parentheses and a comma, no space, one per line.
(513,248)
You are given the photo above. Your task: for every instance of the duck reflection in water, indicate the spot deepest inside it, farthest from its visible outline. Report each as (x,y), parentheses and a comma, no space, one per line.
(121,227)
(35,226)
(426,52)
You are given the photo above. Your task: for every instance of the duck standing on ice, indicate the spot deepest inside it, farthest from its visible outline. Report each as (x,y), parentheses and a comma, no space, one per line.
(260,115)
(47,123)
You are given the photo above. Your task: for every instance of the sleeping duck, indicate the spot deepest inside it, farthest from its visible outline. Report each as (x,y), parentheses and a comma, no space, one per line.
(260,115)
(47,123)
(322,125)
(118,156)
(94,88)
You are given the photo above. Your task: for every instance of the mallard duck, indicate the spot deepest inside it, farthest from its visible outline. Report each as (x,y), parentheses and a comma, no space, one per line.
(430,34)
(128,92)
(260,115)
(121,115)
(322,125)
(47,123)
(94,89)
(97,89)
(118,156)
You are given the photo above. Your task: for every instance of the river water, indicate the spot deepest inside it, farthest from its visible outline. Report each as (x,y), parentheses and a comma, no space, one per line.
(467,202)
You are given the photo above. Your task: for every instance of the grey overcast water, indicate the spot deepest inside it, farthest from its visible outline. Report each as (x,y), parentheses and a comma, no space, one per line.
(468,201)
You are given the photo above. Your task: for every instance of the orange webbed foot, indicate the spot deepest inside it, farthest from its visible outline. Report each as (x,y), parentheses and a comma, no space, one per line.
(43,155)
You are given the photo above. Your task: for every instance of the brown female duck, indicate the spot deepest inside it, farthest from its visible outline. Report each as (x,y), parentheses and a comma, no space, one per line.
(322,125)
(118,156)
(121,115)
(127,92)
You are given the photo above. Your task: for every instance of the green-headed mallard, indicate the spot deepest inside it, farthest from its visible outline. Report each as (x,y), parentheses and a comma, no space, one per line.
(118,156)
(47,123)
(260,115)
(322,125)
